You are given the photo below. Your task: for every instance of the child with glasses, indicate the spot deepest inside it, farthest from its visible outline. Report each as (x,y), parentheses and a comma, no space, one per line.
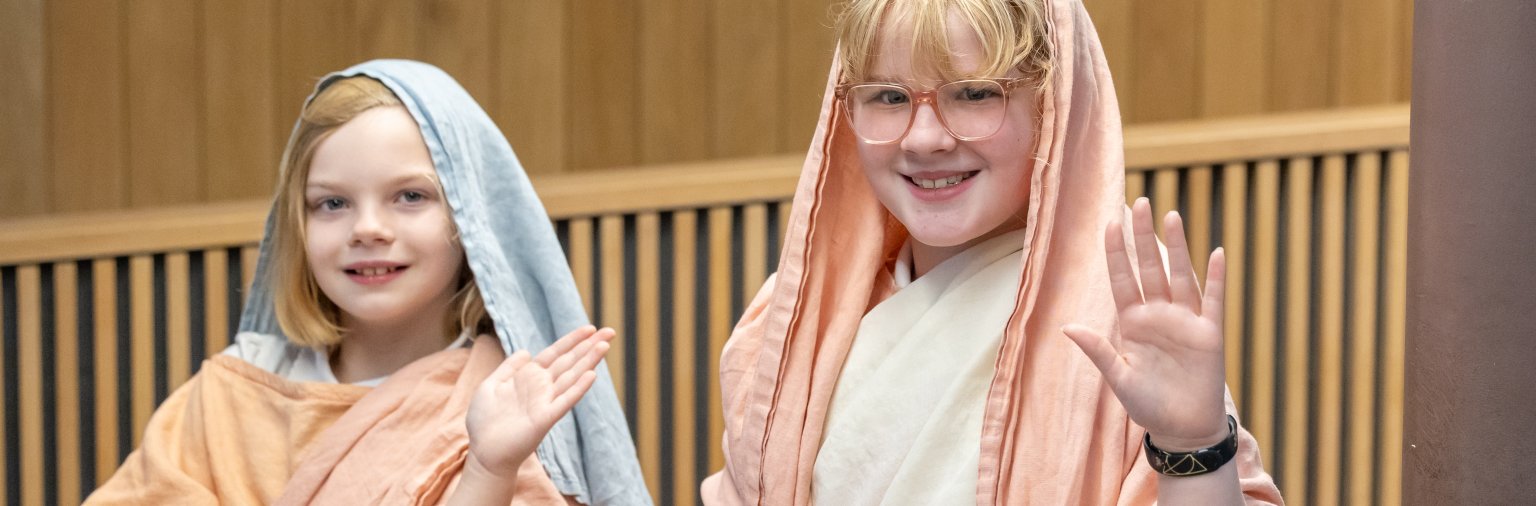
(959,315)
(398,345)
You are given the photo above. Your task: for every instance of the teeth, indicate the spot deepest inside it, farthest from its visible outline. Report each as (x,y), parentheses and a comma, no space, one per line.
(375,271)
(933,184)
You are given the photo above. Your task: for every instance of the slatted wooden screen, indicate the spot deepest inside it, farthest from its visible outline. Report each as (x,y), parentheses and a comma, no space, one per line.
(104,315)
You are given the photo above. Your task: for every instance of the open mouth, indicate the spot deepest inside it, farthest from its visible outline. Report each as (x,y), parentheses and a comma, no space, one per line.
(936,184)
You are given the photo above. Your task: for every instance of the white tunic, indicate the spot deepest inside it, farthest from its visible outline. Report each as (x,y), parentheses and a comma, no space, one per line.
(905,421)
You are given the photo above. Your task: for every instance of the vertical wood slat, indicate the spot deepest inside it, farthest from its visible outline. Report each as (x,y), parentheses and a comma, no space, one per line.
(1197,223)
(165,135)
(30,381)
(611,228)
(66,342)
(648,345)
(1365,256)
(580,254)
(746,66)
(1165,197)
(531,47)
(1234,50)
(142,334)
(1264,294)
(601,110)
(215,300)
(24,88)
(721,320)
(1329,347)
(1135,185)
(178,330)
(1234,238)
(754,245)
(677,54)
(684,335)
(239,66)
(104,288)
(1297,338)
(87,122)
(1394,330)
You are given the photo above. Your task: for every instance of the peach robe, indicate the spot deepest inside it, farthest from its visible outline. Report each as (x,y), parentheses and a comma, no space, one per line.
(236,434)
(1053,433)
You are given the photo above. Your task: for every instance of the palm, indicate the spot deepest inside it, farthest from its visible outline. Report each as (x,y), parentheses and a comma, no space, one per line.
(518,403)
(1165,364)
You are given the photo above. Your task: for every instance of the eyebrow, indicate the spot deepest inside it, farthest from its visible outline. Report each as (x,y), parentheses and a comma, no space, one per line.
(403,180)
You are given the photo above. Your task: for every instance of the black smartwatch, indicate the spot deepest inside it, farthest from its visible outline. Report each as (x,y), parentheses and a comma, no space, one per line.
(1196,462)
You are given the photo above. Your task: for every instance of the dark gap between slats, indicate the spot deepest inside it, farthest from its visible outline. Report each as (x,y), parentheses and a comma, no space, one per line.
(666,332)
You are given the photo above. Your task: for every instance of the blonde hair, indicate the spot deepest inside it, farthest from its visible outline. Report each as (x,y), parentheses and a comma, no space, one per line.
(1013,35)
(307,316)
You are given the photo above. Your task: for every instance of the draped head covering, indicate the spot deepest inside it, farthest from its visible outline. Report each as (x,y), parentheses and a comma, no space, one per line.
(1053,432)
(518,265)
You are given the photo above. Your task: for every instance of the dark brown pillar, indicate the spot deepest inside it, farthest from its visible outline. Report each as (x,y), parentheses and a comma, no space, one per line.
(1470,428)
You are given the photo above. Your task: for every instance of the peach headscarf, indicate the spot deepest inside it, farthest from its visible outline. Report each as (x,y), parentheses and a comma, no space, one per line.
(1053,432)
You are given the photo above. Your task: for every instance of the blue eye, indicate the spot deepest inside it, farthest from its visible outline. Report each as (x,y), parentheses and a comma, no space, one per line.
(977,94)
(891,97)
(412,196)
(329,204)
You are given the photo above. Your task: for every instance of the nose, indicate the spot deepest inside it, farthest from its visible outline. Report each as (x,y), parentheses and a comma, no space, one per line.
(372,227)
(927,134)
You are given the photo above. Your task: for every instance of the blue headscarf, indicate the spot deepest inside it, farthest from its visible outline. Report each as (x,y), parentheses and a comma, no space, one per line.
(518,265)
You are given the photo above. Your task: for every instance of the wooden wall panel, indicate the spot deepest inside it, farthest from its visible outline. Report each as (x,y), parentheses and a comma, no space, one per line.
(1299,45)
(244,145)
(1363,54)
(746,59)
(529,101)
(677,86)
(455,35)
(1166,64)
(1234,47)
(602,107)
(165,128)
(575,85)
(23,107)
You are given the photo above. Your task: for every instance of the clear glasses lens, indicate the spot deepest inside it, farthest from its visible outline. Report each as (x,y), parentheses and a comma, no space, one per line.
(970,110)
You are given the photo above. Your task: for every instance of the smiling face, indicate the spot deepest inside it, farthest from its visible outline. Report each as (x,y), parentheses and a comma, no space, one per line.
(378,236)
(950,194)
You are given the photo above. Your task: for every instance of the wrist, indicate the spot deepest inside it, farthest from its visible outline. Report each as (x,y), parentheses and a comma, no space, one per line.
(474,468)
(1178,444)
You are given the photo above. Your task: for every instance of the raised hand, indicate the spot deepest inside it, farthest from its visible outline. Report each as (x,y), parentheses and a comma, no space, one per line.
(517,404)
(1166,363)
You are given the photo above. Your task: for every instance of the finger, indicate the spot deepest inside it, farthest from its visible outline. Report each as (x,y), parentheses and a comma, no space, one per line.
(564,344)
(1099,350)
(1184,287)
(567,399)
(563,362)
(587,363)
(1214,305)
(1154,283)
(1122,280)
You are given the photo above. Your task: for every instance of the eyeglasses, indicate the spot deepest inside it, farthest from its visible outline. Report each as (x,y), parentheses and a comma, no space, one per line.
(969,109)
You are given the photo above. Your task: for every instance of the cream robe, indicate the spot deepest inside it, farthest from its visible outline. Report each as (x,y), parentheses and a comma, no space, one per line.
(905,422)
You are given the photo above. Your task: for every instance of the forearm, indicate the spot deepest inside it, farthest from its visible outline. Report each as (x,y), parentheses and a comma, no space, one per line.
(1217,487)
(479,486)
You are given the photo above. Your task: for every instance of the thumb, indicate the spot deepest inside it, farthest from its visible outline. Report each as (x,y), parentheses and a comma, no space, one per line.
(1096,346)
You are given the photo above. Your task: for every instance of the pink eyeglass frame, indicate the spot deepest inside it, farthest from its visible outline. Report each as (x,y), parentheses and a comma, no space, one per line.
(921,97)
